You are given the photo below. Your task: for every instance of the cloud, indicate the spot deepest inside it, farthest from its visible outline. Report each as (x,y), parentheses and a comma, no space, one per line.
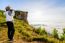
(49,13)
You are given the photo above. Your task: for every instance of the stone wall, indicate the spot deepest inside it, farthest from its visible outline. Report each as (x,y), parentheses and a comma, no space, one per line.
(21,15)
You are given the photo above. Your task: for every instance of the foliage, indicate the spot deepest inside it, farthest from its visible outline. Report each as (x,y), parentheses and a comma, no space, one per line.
(41,31)
(54,33)
(63,36)
(63,30)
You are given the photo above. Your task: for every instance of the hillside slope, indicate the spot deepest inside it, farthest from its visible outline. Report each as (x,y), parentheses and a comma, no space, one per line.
(24,33)
(22,30)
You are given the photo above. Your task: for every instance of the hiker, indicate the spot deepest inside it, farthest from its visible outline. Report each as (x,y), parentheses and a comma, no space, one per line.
(9,13)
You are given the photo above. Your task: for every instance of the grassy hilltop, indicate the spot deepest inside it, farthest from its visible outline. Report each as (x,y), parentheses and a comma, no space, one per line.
(24,33)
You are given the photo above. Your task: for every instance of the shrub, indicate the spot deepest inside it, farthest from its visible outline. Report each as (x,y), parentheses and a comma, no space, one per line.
(54,33)
(41,31)
(38,31)
(63,36)
(63,30)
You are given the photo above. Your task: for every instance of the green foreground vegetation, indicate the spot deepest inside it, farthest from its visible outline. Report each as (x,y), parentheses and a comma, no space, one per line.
(24,33)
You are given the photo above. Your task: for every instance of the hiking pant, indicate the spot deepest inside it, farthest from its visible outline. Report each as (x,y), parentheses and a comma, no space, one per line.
(11,30)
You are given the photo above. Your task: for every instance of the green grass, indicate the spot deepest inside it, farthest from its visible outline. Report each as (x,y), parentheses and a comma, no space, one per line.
(25,32)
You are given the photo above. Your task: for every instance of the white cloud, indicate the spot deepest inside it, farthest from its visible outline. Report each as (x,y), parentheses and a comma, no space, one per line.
(46,14)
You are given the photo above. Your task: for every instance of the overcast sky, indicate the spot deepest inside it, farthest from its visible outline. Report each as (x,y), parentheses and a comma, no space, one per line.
(39,11)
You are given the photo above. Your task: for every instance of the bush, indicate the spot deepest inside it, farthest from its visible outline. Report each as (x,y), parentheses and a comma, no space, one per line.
(63,30)
(54,33)
(63,36)
(41,31)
